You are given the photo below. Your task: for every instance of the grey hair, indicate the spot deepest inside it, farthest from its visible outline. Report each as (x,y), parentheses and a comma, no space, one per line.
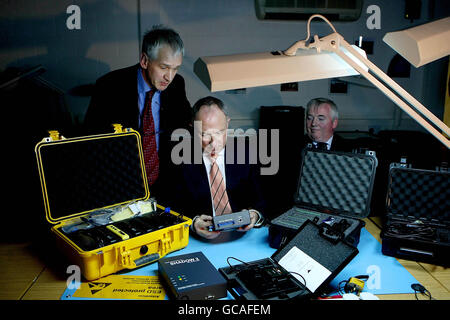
(314,103)
(160,36)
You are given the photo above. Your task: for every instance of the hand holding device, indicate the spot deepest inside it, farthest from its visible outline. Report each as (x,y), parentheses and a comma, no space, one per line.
(231,221)
(202,225)
(255,220)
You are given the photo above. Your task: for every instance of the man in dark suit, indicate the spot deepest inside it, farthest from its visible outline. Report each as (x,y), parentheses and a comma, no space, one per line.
(150,87)
(197,189)
(322,118)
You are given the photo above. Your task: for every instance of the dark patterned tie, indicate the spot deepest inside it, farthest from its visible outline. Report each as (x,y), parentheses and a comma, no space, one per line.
(149,140)
(218,190)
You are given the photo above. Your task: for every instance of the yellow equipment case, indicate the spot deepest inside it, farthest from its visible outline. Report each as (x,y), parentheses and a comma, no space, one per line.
(97,198)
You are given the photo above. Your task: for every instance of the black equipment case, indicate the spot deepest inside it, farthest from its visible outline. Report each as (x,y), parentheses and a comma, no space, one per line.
(417,224)
(97,199)
(334,190)
(301,269)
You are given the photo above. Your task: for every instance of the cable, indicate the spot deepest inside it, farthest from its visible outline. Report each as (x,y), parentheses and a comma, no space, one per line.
(302,44)
(248,264)
(304,281)
(340,288)
(309,22)
(414,230)
(232,267)
(417,287)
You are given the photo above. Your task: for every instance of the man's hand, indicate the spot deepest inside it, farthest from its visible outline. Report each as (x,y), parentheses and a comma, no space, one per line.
(253,219)
(201,225)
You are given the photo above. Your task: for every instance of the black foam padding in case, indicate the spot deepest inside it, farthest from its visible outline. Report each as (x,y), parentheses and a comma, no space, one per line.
(340,182)
(419,193)
(333,256)
(84,175)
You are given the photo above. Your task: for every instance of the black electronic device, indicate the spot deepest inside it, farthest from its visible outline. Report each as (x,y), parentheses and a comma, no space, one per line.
(334,230)
(298,270)
(268,280)
(232,221)
(192,277)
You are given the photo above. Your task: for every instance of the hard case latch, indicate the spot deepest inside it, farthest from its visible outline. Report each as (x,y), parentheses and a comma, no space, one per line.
(54,136)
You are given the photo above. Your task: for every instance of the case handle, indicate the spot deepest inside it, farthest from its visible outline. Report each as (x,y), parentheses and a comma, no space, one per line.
(147,259)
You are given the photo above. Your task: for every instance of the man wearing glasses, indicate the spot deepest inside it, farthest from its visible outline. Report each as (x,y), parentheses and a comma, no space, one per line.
(220,184)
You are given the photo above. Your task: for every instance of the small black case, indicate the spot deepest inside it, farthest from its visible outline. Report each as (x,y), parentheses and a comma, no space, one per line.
(338,186)
(417,224)
(267,279)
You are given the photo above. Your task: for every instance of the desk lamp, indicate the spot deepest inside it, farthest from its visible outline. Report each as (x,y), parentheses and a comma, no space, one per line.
(328,57)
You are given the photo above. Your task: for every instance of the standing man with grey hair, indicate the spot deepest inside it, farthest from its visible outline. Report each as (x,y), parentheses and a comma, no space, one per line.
(149,97)
(322,118)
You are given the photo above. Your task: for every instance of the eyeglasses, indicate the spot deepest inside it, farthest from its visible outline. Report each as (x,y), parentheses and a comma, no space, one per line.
(207,136)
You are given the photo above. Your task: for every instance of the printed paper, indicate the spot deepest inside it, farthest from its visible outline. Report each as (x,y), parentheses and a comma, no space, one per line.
(122,287)
(299,262)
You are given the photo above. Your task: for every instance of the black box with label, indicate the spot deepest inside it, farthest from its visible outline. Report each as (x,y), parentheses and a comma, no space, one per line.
(192,277)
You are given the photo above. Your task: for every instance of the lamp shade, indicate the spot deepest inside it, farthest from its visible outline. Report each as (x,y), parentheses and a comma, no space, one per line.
(422,44)
(237,71)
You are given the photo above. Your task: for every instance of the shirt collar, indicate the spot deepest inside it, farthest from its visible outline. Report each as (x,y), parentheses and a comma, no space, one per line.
(143,86)
(328,142)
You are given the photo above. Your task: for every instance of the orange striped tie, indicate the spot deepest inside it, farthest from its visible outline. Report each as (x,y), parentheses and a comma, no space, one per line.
(218,190)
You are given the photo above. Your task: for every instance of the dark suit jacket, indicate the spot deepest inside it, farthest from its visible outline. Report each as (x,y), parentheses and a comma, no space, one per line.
(115,100)
(190,191)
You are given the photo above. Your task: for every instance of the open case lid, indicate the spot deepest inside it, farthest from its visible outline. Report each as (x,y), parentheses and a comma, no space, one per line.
(314,256)
(419,194)
(336,182)
(84,174)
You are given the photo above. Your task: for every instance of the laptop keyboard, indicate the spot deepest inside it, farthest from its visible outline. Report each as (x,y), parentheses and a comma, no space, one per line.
(295,217)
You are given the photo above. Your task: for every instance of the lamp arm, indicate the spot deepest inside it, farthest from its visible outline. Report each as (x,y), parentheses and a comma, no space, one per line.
(399,90)
(335,42)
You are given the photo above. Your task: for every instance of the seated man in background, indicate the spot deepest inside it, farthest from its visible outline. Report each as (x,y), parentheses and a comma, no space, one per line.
(322,118)
(215,186)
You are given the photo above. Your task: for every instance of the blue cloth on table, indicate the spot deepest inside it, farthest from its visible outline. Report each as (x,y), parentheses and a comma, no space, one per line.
(387,275)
